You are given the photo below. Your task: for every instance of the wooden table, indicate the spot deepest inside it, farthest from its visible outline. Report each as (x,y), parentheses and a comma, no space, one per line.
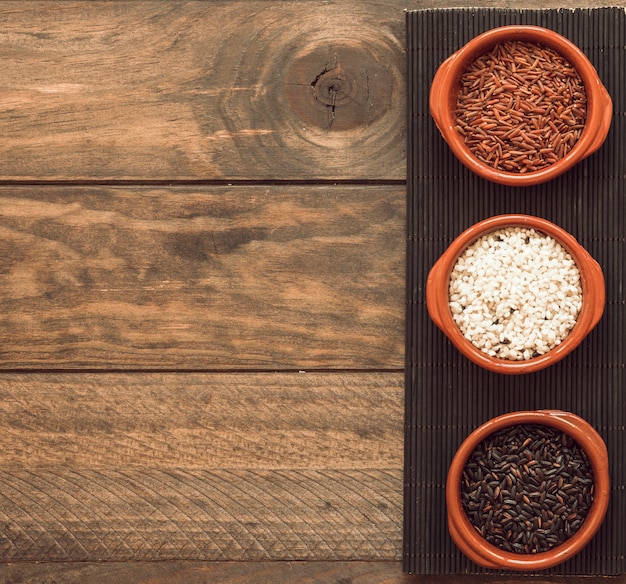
(202,219)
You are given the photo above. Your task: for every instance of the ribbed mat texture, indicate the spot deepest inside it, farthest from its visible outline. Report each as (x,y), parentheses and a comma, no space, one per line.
(446,395)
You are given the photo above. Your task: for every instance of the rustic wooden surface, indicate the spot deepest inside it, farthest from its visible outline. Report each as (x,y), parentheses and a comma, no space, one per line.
(203,277)
(202,292)
(353,572)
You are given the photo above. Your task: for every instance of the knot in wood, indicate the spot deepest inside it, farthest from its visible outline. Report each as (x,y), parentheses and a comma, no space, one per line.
(332,87)
(342,87)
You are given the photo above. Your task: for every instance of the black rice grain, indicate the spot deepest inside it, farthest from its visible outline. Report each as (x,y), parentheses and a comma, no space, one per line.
(528,488)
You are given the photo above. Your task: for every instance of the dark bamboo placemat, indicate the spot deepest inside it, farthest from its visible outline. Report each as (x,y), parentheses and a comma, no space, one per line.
(446,395)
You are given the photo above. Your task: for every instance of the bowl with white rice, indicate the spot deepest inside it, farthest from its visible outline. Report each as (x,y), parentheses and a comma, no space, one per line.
(515,293)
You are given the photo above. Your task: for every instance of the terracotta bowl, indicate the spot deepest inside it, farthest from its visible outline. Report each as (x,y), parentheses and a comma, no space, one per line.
(445,89)
(593,293)
(483,553)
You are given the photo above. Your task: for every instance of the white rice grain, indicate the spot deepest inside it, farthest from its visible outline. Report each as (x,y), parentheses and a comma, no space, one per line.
(515,293)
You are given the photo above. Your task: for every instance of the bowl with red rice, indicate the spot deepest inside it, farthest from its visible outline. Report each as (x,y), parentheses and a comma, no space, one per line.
(520,105)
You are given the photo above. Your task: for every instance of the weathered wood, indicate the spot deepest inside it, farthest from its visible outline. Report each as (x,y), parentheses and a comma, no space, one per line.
(205,90)
(67,514)
(202,90)
(291,277)
(255,572)
(201,421)
(109,467)
(211,573)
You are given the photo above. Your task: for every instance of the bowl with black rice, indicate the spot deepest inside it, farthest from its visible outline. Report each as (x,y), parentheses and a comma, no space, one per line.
(528,490)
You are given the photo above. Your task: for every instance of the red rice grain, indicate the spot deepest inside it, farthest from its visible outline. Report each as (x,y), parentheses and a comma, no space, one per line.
(521,107)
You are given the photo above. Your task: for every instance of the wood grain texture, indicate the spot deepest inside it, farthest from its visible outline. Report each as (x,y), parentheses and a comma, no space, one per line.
(202,278)
(211,573)
(257,572)
(202,90)
(249,467)
(66,514)
(201,421)
(117,477)
(207,90)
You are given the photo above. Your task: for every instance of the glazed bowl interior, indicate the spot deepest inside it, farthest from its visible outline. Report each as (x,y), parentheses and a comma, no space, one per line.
(592,283)
(447,83)
(488,555)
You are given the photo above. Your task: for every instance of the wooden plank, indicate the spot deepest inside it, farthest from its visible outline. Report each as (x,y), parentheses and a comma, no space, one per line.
(257,573)
(265,277)
(202,90)
(210,573)
(217,90)
(249,467)
(201,421)
(66,514)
